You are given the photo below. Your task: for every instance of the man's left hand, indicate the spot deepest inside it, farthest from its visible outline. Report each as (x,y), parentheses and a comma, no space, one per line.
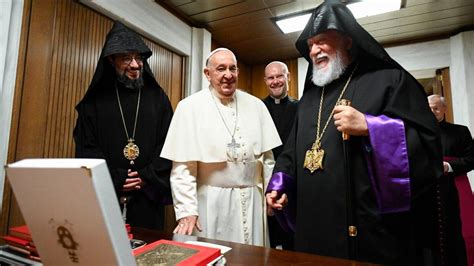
(348,120)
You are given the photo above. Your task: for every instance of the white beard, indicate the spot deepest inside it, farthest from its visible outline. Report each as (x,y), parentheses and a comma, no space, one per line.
(333,71)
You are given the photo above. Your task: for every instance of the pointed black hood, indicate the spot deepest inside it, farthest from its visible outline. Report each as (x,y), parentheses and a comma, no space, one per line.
(333,15)
(120,39)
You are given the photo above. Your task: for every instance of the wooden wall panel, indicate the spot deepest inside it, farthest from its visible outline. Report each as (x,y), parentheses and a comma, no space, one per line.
(64,40)
(245,77)
(177,80)
(77,41)
(443,74)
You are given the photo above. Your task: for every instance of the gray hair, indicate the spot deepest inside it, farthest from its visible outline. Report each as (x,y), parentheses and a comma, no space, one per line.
(434,96)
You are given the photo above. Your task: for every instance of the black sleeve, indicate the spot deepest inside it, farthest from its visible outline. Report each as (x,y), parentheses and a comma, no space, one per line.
(87,145)
(286,161)
(465,161)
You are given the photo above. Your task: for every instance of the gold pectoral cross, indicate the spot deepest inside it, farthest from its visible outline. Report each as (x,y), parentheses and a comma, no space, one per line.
(131,151)
(314,157)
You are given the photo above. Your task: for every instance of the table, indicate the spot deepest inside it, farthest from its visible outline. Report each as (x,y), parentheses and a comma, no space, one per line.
(242,254)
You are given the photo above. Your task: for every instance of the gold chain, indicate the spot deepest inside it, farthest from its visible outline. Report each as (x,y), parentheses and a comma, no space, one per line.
(314,157)
(320,136)
(123,118)
(131,150)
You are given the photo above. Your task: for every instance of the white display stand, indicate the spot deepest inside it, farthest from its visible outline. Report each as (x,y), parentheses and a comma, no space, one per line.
(71,210)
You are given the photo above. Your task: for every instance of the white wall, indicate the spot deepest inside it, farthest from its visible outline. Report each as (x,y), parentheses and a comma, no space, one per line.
(462,78)
(302,69)
(11,12)
(456,53)
(201,47)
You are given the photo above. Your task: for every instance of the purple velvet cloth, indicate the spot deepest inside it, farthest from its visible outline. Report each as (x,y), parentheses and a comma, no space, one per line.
(387,160)
(283,183)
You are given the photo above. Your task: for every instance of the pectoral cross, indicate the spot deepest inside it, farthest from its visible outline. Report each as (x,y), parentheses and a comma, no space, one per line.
(314,157)
(232,148)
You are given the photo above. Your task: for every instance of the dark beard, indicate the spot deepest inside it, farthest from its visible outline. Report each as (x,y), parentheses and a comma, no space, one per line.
(131,83)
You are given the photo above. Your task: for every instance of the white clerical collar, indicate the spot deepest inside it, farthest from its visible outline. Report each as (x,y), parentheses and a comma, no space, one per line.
(278,101)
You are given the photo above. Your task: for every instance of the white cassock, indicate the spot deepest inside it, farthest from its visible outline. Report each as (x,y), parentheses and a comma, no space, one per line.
(226,193)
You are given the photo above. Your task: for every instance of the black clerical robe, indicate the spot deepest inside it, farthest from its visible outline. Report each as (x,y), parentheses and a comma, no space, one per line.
(321,218)
(456,141)
(100,133)
(283,114)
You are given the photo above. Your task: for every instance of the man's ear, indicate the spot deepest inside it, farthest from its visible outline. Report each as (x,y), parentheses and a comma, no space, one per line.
(206,72)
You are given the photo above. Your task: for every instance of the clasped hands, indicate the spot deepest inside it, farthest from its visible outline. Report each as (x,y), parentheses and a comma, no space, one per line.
(187,224)
(133,182)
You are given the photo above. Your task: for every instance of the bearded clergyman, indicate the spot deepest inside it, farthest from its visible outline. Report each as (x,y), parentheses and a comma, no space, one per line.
(124,118)
(356,177)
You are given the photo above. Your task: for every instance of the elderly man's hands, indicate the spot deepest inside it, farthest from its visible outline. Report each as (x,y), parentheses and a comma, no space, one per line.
(348,120)
(187,224)
(276,202)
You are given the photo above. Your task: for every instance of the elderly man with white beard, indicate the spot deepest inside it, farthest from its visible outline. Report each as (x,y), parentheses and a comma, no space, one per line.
(357,181)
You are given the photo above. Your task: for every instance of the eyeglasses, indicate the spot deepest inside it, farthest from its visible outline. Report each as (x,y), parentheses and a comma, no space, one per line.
(127,59)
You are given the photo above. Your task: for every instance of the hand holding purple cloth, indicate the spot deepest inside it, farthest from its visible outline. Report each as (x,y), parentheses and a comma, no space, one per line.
(284,184)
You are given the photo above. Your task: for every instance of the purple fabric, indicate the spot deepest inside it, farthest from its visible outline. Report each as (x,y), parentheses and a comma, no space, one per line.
(283,183)
(466,205)
(387,160)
